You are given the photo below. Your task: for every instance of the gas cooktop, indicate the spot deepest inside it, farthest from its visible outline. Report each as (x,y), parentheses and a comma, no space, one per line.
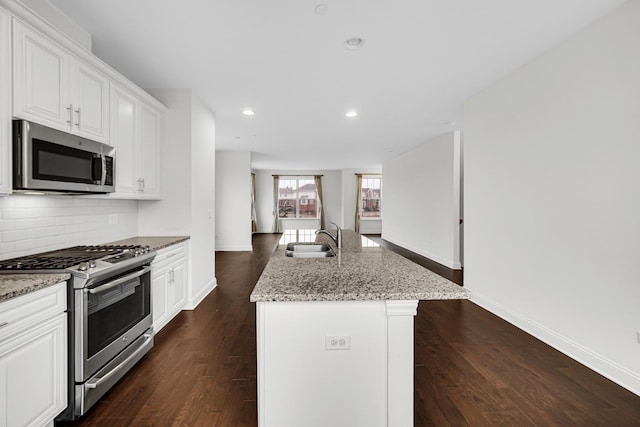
(80,258)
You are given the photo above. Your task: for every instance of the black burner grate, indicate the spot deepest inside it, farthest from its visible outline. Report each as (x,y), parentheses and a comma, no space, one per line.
(63,258)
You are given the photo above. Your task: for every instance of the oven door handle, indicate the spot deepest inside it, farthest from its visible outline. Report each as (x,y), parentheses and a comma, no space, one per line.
(119,281)
(121,365)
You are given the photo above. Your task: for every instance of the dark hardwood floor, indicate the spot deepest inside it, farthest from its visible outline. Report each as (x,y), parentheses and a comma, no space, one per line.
(472,368)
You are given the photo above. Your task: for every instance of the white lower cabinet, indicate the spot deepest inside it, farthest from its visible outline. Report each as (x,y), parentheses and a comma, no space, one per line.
(33,358)
(168,284)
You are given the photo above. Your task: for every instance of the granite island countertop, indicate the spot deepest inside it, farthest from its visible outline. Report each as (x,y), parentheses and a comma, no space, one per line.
(361,271)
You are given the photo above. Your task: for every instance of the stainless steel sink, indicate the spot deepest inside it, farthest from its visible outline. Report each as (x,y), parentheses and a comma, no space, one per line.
(309,250)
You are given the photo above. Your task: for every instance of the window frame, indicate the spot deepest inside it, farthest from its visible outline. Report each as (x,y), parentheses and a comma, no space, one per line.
(366,177)
(298,200)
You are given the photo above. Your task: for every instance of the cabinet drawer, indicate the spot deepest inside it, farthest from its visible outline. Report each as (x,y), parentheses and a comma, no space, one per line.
(26,310)
(169,255)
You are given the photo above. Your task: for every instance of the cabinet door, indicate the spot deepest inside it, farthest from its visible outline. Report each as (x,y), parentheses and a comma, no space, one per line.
(178,284)
(90,103)
(149,151)
(40,73)
(33,372)
(5,103)
(159,285)
(124,116)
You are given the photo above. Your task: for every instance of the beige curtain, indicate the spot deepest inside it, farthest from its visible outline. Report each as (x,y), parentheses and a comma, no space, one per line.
(254,216)
(318,179)
(358,199)
(276,220)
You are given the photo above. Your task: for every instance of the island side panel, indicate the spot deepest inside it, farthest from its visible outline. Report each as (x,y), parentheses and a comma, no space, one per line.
(302,383)
(401,337)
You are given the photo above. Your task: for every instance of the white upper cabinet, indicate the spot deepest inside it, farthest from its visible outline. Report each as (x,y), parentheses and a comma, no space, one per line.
(149,151)
(124,121)
(5,103)
(53,88)
(40,71)
(135,133)
(90,102)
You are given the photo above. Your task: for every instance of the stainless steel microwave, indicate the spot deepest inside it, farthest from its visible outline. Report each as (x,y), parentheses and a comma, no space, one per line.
(50,161)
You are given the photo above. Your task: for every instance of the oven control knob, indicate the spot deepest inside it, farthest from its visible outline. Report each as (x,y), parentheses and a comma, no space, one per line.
(92,264)
(83,266)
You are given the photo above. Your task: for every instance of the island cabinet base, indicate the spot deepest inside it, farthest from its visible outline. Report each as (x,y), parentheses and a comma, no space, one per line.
(335,363)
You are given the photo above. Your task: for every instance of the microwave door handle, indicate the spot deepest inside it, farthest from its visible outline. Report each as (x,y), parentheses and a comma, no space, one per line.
(104,170)
(119,281)
(97,170)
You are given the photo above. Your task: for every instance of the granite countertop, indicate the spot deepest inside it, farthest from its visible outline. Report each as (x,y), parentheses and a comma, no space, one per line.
(155,242)
(13,285)
(361,271)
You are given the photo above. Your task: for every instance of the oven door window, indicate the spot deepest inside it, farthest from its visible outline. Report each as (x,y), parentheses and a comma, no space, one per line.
(56,162)
(113,312)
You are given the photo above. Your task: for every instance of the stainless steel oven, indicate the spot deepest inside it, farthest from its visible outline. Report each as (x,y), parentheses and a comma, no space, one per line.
(112,331)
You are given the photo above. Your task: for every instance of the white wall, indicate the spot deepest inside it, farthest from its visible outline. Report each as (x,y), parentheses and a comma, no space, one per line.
(331,190)
(188,186)
(32,224)
(421,200)
(552,196)
(202,252)
(233,201)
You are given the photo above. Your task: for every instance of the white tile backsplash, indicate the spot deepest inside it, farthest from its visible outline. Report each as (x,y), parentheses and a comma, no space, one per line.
(32,224)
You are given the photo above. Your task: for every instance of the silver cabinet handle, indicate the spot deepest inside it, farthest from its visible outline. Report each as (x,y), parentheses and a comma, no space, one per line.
(3,324)
(121,365)
(70,110)
(139,181)
(119,281)
(78,123)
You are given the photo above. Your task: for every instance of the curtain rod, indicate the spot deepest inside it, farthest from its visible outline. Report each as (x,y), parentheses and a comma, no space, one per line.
(295,175)
(363,174)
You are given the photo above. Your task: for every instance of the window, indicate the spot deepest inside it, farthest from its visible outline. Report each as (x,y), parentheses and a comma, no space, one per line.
(297,197)
(370,201)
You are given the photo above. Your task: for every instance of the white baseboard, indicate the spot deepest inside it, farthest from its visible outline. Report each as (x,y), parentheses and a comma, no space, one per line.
(193,302)
(446,262)
(235,248)
(594,361)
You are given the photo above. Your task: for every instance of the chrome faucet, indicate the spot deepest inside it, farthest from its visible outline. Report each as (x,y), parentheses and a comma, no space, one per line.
(337,239)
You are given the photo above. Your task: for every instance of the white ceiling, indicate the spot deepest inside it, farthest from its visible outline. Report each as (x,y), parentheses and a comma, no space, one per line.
(420,61)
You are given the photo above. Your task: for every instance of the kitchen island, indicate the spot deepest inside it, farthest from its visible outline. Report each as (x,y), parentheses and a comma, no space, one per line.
(335,335)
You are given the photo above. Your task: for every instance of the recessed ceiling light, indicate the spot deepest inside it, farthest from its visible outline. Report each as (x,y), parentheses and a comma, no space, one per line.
(351,114)
(248,112)
(354,43)
(321,9)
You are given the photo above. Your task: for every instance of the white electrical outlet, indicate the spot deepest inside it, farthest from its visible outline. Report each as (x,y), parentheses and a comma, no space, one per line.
(113,219)
(337,342)
(638,336)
